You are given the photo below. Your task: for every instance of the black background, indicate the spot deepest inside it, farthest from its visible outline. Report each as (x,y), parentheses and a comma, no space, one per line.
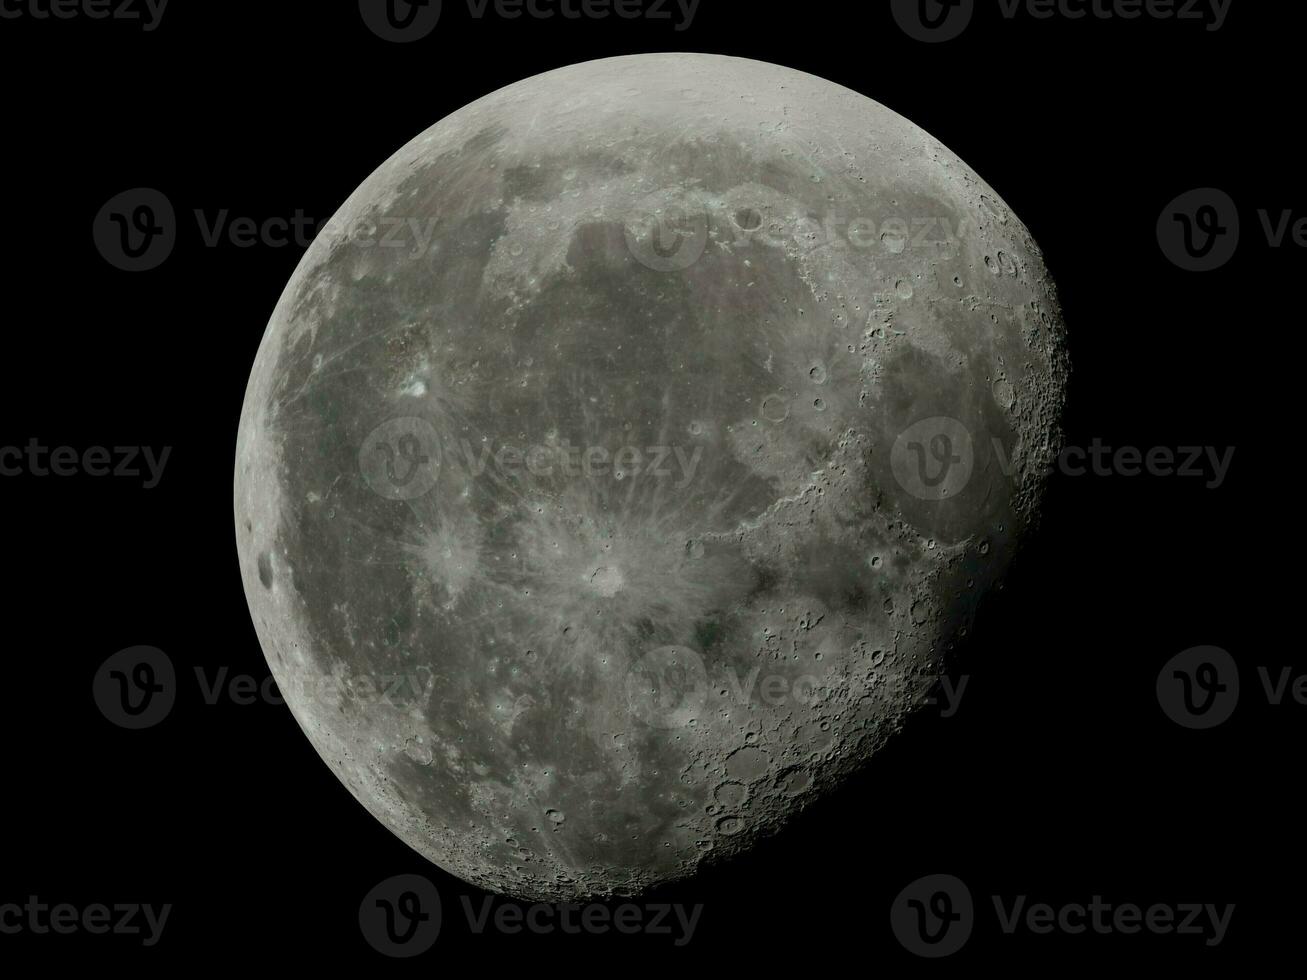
(1059,777)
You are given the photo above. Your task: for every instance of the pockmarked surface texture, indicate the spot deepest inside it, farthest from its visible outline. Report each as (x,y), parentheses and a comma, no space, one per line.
(622,464)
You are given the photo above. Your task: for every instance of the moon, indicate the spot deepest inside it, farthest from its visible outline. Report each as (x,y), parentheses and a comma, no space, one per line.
(626,460)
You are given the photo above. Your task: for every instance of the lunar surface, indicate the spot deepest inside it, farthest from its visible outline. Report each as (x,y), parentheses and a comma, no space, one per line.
(625,462)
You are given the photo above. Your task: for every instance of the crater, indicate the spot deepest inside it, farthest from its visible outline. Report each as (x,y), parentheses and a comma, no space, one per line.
(606,580)
(265,570)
